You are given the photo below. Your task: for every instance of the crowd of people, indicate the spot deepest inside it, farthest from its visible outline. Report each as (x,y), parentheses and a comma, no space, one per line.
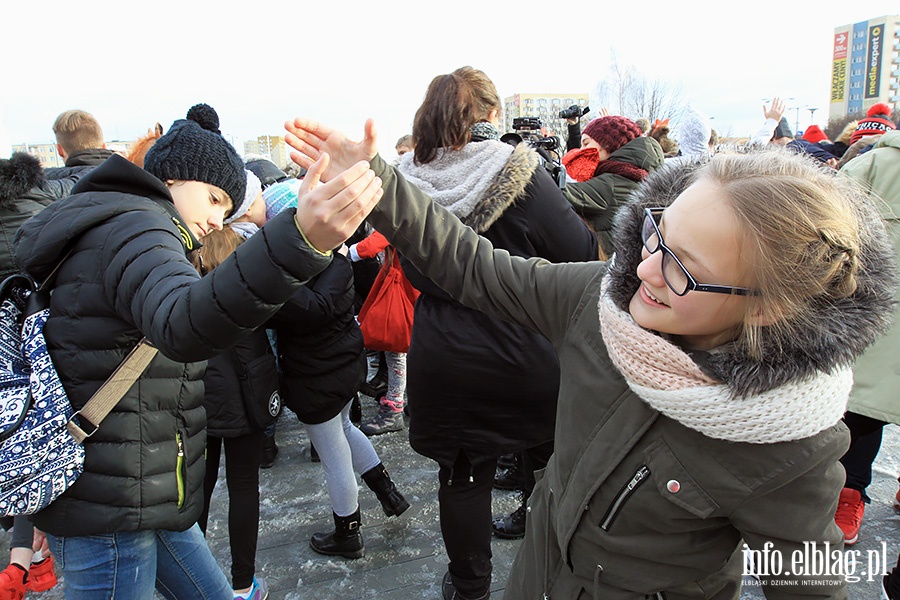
(684,349)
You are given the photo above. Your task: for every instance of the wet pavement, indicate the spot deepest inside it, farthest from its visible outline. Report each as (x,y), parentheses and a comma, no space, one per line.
(405,558)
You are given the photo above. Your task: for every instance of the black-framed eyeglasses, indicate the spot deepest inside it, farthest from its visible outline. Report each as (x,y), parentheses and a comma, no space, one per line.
(677,277)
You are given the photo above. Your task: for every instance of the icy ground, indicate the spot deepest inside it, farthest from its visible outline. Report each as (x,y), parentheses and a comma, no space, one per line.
(405,558)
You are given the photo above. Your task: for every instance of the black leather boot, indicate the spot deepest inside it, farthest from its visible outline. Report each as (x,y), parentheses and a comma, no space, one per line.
(346,539)
(392,501)
(511,526)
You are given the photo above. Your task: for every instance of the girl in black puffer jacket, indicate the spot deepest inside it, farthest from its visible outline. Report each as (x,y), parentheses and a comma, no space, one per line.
(128,522)
(320,348)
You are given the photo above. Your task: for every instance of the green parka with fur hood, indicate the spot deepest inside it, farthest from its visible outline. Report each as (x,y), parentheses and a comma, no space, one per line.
(636,501)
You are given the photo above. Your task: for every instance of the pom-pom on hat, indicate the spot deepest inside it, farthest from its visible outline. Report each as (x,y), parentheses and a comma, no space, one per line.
(194,150)
(254,187)
(877,121)
(612,132)
(814,134)
(280,196)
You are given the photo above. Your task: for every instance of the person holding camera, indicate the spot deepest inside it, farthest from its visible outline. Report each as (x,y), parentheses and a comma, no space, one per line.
(613,159)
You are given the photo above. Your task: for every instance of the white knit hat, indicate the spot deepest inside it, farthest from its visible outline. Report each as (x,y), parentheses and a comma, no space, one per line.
(254,187)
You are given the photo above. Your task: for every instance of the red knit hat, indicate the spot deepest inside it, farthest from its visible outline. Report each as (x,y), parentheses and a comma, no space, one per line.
(612,132)
(814,134)
(877,122)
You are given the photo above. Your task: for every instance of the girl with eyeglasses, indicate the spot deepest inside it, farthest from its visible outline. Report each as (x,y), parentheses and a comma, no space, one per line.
(704,370)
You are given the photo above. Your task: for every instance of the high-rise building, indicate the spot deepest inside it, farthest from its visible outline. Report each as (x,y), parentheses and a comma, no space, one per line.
(546,107)
(49,157)
(865,66)
(272,147)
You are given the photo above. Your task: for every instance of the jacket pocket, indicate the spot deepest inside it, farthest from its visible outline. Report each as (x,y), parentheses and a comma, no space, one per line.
(180,470)
(675,484)
(615,507)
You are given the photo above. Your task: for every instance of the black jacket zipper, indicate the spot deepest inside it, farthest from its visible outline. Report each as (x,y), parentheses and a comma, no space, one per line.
(639,477)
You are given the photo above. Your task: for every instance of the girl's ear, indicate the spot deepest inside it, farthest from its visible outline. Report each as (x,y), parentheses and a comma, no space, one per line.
(763,316)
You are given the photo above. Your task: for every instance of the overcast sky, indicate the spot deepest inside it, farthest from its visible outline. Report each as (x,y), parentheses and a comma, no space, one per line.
(259,63)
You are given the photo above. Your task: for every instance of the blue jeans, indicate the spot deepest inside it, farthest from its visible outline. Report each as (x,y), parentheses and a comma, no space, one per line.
(127,566)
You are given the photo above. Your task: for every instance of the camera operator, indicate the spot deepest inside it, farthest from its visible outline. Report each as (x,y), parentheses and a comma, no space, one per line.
(623,159)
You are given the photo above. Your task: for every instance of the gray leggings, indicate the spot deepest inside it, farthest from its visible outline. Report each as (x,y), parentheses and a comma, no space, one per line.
(22,531)
(342,449)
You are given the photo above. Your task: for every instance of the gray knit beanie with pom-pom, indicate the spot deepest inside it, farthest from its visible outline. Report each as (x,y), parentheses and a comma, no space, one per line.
(194,150)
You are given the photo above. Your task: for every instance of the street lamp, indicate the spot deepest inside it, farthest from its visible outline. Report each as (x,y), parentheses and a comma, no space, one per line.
(812,112)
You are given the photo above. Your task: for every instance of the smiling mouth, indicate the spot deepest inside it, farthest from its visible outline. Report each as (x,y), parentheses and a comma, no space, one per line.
(651,296)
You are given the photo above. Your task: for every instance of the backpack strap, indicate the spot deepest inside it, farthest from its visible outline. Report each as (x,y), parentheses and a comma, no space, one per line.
(112,390)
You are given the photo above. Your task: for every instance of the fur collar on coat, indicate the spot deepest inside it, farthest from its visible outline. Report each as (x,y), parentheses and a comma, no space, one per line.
(478,183)
(841,331)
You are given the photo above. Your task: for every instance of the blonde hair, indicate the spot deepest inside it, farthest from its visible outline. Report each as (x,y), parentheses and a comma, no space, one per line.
(218,245)
(803,227)
(77,130)
(847,132)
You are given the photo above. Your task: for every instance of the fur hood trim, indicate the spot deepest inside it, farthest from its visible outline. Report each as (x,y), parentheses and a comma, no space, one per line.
(18,175)
(478,183)
(841,330)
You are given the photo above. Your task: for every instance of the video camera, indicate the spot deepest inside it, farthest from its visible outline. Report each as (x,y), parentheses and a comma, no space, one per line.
(573,112)
(528,130)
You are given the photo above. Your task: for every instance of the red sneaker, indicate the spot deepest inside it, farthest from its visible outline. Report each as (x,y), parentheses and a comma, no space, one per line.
(849,514)
(41,576)
(12,584)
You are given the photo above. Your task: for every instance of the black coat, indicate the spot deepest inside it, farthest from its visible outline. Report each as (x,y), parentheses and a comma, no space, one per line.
(24,191)
(223,398)
(475,383)
(128,277)
(320,345)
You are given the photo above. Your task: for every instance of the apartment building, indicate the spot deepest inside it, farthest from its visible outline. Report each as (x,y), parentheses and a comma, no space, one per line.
(546,107)
(865,66)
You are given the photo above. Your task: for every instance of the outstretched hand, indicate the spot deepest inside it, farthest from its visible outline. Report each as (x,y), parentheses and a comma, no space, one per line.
(312,139)
(329,213)
(776,111)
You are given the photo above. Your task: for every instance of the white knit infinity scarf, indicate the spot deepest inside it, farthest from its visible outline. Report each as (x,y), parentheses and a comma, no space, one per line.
(666,378)
(458,179)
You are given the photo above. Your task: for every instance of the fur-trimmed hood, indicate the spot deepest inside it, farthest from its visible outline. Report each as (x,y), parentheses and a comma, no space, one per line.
(477,183)
(841,330)
(18,175)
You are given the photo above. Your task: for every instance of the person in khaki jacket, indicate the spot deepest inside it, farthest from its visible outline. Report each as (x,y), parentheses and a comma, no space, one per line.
(704,370)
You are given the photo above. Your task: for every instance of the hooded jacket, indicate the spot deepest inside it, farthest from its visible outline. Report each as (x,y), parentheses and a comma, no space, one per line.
(478,384)
(598,198)
(875,371)
(24,191)
(127,277)
(634,503)
(320,345)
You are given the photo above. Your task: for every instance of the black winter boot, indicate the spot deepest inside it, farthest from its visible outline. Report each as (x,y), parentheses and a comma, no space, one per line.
(392,501)
(511,526)
(346,539)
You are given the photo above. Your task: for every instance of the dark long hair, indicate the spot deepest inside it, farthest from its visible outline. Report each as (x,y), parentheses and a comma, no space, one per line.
(453,103)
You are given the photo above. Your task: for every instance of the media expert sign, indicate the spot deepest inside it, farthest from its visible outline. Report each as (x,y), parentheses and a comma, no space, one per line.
(873,60)
(839,68)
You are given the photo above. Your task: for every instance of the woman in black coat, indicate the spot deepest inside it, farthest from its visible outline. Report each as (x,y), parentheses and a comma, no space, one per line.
(479,387)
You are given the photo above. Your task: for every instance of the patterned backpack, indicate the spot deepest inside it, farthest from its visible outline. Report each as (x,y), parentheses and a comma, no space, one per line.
(41,451)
